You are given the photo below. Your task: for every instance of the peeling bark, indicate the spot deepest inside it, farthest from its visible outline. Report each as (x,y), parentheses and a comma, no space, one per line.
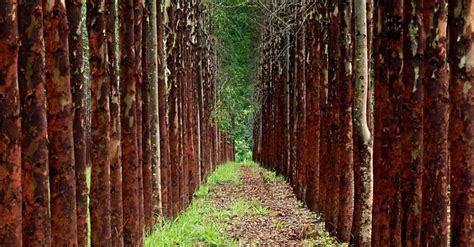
(60,125)
(10,129)
(36,220)
(100,110)
(412,123)
(116,210)
(461,129)
(74,15)
(128,88)
(388,52)
(436,115)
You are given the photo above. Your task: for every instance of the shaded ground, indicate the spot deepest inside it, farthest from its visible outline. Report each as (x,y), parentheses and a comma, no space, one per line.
(278,217)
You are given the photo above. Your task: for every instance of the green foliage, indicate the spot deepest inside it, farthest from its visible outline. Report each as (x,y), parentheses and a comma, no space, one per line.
(237,40)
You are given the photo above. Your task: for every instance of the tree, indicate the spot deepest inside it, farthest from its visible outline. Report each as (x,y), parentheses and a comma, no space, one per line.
(36,219)
(116,210)
(128,87)
(170,30)
(313,119)
(10,128)
(60,125)
(150,111)
(345,101)
(138,29)
(436,113)
(412,122)
(363,217)
(164,164)
(333,179)
(158,104)
(76,58)
(100,109)
(388,51)
(461,131)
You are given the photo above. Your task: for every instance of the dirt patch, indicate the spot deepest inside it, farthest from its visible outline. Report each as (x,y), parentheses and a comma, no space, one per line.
(278,218)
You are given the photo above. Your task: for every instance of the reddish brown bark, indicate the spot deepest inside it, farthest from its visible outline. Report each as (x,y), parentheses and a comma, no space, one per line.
(181,101)
(146,123)
(173,105)
(36,220)
(412,123)
(100,110)
(333,179)
(74,13)
(461,129)
(163,110)
(137,44)
(436,100)
(313,118)
(387,147)
(116,210)
(324,131)
(128,87)
(10,128)
(345,101)
(300,101)
(60,126)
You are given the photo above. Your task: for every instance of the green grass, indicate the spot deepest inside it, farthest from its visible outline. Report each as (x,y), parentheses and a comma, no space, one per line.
(203,223)
(88,182)
(271,177)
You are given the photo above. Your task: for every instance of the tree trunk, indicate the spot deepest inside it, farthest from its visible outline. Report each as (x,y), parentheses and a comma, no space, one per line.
(412,123)
(345,101)
(151,149)
(170,6)
(128,87)
(116,213)
(34,145)
(157,82)
(436,112)
(10,128)
(461,24)
(333,172)
(74,13)
(60,126)
(100,110)
(164,164)
(362,217)
(313,117)
(387,144)
(324,131)
(137,28)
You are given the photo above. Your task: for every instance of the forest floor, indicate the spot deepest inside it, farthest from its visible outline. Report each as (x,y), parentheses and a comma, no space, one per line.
(243,205)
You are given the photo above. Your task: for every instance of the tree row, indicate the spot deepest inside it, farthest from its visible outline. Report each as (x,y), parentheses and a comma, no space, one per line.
(367,108)
(149,96)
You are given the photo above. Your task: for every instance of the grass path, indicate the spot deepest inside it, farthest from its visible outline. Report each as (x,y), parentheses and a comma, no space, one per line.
(243,204)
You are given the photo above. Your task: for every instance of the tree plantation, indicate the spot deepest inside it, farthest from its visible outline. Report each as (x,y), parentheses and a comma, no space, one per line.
(120,121)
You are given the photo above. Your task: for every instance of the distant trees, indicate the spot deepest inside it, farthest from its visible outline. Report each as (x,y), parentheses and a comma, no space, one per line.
(419,117)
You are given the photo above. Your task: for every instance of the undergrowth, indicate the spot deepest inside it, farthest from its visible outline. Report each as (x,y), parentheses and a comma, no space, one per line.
(202,223)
